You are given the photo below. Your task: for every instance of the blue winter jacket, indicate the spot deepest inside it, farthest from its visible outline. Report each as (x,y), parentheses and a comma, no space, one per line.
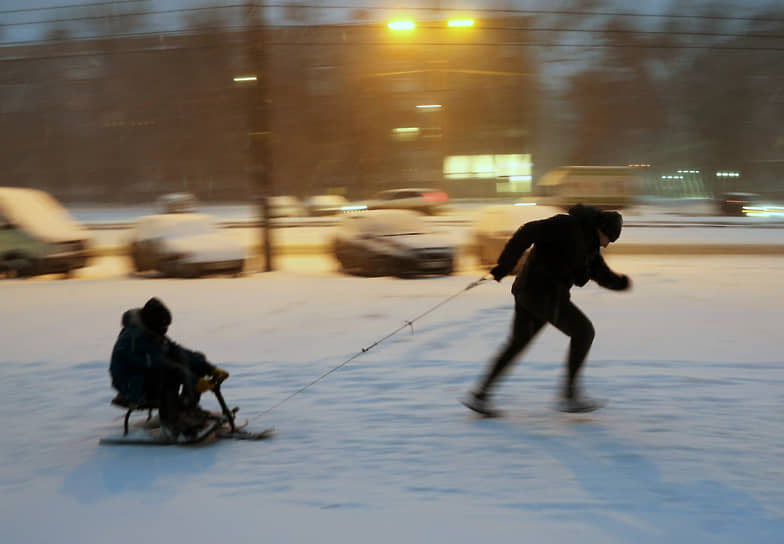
(139,352)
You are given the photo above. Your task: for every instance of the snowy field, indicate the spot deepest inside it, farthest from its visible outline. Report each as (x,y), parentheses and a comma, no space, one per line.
(688,450)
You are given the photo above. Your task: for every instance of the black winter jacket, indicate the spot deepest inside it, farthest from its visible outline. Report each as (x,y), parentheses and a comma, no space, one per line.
(565,253)
(138,350)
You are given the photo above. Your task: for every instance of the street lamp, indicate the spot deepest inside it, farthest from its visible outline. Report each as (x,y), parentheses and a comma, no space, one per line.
(401,25)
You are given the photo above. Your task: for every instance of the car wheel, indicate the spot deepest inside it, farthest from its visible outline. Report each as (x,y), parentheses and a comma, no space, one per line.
(170,268)
(18,266)
(137,265)
(378,266)
(191,271)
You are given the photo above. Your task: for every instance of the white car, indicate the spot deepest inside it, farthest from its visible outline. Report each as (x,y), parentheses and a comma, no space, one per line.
(286,206)
(184,244)
(497,223)
(426,200)
(38,235)
(391,243)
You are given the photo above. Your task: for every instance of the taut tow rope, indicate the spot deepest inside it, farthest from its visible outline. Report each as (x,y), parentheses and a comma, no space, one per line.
(409,323)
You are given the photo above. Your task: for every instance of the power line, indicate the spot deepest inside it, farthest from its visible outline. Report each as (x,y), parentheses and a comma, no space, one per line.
(534,12)
(472,11)
(118,15)
(70,6)
(430,27)
(159,49)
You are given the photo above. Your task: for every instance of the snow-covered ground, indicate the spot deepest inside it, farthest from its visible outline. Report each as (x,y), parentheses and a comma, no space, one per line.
(688,450)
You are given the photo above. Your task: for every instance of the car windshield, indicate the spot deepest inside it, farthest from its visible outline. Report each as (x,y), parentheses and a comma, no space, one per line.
(172,226)
(395,223)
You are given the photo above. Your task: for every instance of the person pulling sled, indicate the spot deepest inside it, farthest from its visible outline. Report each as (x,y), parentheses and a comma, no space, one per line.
(566,252)
(149,370)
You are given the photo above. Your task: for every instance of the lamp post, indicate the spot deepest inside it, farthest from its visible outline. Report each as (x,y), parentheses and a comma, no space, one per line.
(260,157)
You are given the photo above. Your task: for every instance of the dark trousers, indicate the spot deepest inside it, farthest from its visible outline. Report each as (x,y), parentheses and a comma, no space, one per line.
(567,318)
(164,385)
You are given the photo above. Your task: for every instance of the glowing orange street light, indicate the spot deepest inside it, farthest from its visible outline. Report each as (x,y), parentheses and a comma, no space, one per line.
(401,25)
(461,22)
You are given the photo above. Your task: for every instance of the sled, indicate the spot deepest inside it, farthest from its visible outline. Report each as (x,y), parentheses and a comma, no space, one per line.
(222,425)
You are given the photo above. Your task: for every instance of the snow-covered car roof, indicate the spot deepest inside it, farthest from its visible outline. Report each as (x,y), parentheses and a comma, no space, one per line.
(386,222)
(39,213)
(175,225)
(508,217)
(326,200)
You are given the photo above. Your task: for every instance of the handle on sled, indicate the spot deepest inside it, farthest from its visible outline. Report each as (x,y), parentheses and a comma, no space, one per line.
(228,413)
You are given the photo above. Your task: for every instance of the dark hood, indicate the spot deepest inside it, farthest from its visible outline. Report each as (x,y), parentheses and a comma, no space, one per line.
(588,218)
(133,318)
(609,222)
(586,215)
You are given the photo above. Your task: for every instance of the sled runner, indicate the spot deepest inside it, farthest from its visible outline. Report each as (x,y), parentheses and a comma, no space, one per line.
(152,436)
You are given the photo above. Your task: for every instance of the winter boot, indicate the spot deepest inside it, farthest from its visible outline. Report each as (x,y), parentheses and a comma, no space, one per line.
(192,419)
(579,404)
(168,433)
(480,403)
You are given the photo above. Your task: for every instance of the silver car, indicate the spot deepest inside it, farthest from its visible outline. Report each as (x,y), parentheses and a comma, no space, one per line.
(391,243)
(426,200)
(184,244)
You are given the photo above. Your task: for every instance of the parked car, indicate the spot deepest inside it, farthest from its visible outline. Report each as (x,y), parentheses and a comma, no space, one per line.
(495,224)
(320,205)
(177,203)
(424,200)
(184,244)
(391,243)
(286,206)
(38,235)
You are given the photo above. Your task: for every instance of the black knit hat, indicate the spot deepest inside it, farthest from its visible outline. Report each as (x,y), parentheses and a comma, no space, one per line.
(156,316)
(610,224)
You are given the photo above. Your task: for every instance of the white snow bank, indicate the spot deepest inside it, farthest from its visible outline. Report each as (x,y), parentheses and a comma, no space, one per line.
(688,450)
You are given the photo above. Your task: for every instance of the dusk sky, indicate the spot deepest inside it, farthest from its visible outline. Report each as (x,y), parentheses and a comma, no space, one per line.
(16,15)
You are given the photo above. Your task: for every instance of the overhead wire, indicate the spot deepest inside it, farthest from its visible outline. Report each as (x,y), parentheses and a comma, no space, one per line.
(426,24)
(414,9)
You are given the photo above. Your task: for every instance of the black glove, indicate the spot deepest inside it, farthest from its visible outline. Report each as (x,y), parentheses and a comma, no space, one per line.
(624,283)
(497,273)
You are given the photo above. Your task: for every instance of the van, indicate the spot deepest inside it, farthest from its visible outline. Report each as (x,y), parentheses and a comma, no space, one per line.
(177,203)
(38,235)
(609,187)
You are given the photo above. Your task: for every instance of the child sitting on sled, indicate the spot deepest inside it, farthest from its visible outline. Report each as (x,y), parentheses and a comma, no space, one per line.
(149,369)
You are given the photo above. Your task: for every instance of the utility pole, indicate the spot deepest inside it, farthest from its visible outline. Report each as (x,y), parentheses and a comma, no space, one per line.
(259,133)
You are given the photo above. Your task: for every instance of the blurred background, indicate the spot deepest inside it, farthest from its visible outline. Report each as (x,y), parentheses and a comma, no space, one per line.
(123,101)
(314,109)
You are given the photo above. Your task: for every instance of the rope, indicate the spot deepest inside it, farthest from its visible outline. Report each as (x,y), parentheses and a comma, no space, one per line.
(409,323)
